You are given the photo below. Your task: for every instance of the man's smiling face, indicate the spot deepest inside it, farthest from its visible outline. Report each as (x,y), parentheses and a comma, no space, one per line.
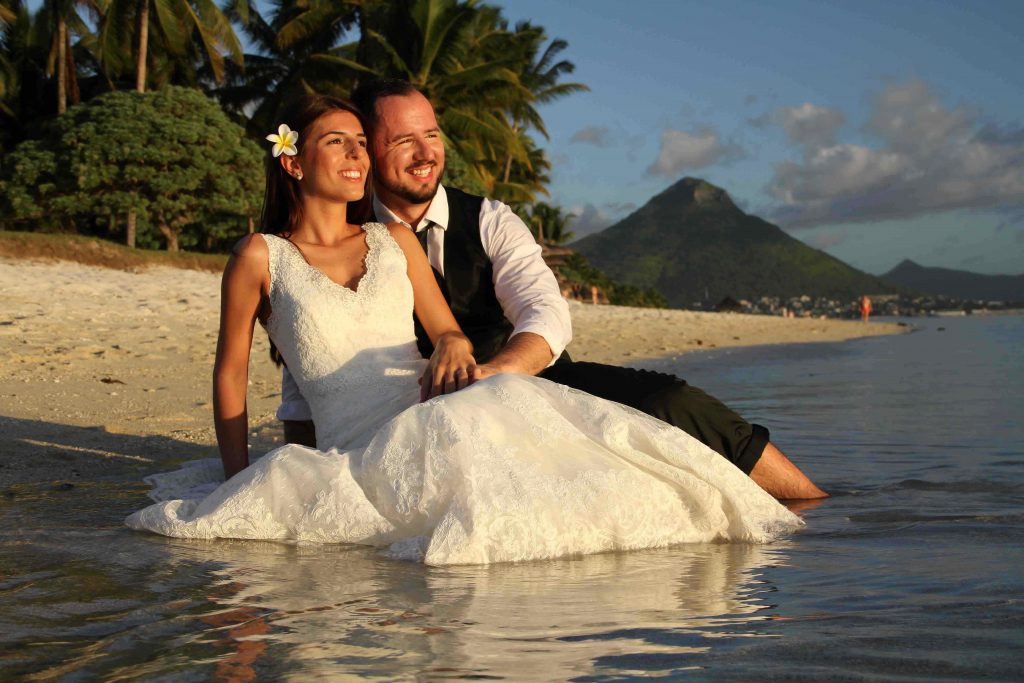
(408,151)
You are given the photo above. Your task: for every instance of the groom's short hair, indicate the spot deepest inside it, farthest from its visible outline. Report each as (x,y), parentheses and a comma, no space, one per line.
(367,94)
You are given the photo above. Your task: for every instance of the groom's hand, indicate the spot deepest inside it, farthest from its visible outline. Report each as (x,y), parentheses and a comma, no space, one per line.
(450,367)
(483,371)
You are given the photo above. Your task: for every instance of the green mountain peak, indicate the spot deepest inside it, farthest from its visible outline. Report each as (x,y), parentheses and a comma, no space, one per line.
(695,193)
(695,246)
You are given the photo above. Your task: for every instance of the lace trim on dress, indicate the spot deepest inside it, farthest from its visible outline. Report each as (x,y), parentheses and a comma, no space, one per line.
(284,254)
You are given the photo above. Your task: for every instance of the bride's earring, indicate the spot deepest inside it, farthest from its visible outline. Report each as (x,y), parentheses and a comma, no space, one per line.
(298,175)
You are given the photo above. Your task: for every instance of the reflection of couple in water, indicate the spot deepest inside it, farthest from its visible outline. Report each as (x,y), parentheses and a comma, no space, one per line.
(307,612)
(519,453)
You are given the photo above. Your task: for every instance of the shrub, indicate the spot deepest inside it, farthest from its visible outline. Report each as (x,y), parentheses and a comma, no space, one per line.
(171,157)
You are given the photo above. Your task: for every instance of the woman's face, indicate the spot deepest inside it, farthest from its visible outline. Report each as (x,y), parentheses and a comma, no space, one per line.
(333,160)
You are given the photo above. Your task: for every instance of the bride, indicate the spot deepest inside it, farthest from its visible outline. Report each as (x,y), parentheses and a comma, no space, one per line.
(507,468)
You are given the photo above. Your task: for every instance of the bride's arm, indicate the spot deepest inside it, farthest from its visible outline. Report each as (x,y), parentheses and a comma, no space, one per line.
(452,363)
(245,280)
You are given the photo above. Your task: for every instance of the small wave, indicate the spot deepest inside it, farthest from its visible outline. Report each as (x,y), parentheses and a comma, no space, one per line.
(965,486)
(903,516)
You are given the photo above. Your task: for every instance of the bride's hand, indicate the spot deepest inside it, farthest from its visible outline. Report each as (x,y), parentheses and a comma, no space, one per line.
(450,366)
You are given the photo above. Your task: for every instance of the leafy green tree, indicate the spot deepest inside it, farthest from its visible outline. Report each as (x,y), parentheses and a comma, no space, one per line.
(173,157)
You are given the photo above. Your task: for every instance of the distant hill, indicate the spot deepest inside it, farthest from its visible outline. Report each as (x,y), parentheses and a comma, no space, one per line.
(693,244)
(957,284)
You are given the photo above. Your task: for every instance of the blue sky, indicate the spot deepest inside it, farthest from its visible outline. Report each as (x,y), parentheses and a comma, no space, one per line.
(876,131)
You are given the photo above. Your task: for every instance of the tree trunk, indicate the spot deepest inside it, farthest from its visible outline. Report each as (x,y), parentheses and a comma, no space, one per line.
(508,161)
(62,67)
(129,237)
(252,225)
(140,60)
(73,93)
(171,235)
(508,168)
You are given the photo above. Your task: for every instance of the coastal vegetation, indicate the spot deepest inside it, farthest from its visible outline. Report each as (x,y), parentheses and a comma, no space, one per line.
(170,163)
(143,120)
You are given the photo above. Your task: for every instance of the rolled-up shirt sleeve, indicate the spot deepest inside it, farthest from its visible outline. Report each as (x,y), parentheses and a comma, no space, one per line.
(525,286)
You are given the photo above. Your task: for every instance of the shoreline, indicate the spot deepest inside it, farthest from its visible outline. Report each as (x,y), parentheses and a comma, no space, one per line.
(107,372)
(621,335)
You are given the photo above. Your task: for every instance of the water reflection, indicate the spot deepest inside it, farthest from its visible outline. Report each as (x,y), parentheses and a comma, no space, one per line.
(295,611)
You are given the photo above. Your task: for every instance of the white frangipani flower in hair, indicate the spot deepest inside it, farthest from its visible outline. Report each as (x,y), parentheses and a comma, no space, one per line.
(284,141)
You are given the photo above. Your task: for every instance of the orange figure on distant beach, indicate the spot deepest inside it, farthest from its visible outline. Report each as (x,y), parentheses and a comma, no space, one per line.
(865,307)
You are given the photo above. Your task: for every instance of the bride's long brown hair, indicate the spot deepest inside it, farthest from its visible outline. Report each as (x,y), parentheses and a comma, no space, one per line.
(282,205)
(282,201)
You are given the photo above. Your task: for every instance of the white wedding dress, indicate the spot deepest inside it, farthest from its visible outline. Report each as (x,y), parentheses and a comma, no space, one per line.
(511,468)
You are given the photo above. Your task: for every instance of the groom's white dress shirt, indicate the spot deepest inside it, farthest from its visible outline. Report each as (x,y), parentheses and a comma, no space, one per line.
(524,285)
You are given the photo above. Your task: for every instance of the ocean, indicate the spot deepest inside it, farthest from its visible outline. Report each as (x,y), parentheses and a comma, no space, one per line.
(911,571)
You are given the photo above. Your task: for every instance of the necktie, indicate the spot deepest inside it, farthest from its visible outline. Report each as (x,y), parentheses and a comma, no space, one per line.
(421,235)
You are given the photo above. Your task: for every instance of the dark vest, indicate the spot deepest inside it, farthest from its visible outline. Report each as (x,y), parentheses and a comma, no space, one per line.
(468,282)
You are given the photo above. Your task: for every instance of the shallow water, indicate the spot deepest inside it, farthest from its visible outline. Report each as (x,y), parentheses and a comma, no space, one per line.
(910,572)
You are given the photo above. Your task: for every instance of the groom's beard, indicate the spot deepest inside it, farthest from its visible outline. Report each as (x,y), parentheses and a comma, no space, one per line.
(413,193)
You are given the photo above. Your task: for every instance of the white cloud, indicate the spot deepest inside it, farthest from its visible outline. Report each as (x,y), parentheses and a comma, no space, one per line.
(592,135)
(809,124)
(589,218)
(931,159)
(681,150)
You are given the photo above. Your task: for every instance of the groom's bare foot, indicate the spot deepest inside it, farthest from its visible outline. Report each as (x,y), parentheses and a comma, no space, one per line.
(777,475)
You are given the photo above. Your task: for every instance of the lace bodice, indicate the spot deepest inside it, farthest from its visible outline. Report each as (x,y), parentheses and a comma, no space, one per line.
(336,341)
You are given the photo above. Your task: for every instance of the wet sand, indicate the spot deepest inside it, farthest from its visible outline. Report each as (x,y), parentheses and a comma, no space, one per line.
(106,373)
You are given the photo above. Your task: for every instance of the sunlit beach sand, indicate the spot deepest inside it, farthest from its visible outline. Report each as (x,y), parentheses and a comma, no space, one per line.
(107,372)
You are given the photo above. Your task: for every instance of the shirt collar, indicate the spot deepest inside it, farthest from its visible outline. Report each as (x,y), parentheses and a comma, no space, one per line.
(437,213)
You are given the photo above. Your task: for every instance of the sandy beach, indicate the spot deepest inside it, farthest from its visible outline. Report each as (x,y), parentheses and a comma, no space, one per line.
(106,373)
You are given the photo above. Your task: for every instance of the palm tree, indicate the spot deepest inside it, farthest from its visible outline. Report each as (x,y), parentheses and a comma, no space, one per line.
(174,24)
(540,77)
(463,57)
(23,79)
(8,71)
(549,223)
(296,50)
(62,18)
(527,178)
(7,13)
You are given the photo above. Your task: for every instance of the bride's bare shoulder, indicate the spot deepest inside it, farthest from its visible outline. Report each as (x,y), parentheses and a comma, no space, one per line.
(250,254)
(402,234)
(251,247)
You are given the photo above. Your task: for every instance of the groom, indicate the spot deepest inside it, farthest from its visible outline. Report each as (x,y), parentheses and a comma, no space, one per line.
(506,299)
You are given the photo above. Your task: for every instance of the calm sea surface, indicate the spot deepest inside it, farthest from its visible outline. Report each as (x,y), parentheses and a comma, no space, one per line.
(914,570)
